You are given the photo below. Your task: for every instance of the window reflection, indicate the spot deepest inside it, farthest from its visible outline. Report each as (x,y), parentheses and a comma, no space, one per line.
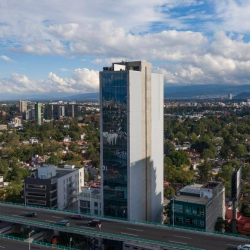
(114,110)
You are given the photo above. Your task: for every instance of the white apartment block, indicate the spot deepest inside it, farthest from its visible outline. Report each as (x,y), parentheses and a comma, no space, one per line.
(90,202)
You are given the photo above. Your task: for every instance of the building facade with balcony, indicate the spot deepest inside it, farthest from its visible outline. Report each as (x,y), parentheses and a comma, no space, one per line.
(52,186)
(90,202)
(198,206)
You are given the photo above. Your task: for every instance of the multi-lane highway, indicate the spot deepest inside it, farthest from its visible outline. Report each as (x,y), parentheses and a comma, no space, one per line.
(160,233)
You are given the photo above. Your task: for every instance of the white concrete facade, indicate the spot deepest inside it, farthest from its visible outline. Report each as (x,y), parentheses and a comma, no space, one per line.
(90,202)
(145,161)
(69,186)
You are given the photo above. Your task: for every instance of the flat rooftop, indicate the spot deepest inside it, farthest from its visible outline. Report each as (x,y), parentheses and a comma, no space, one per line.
(192,189)
(60,172)
(192,199)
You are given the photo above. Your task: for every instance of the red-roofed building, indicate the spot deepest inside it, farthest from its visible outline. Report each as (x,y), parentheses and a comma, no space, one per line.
(243,223)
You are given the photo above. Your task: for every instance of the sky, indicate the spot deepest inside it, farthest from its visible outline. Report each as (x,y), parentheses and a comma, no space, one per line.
(57,47)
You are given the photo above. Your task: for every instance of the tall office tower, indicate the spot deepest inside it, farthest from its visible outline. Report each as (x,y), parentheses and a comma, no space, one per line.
(38,113)
(230,96)
(132,141)
(70,110)
(61,111)
(22,106)
(48,111)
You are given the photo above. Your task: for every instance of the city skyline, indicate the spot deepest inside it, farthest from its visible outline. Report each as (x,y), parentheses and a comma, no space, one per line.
(50,48)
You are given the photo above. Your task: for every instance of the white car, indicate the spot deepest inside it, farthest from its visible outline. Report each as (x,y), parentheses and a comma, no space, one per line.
(243,247)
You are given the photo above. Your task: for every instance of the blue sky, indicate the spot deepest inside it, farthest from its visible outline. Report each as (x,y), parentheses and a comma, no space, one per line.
(58,46)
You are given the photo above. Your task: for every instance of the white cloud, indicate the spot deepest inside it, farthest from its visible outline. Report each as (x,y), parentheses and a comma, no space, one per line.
(6,58)
(233,15)
(82,81)
(109,31)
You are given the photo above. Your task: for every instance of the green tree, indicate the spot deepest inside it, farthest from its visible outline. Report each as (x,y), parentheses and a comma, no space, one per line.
(240,151)
(181,137)
(168,161)
(13,192)
(169,192)
(54,159)
(74,147)
(192,138)
(169,149)
(207,154)
(222,225)
(204,171)
(180,158)
(225,151)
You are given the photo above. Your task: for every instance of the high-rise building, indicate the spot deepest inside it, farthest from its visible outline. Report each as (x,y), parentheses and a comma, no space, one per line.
(61,111)
(230,96)
(22,106)
(38,113)
(132,141)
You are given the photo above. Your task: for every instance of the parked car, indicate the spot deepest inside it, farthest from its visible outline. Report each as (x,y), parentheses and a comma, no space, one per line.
(94,223)
(31,214)
(63,223)
(76,217)
(243,247)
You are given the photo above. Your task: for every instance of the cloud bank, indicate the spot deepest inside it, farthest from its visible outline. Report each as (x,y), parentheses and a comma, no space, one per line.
(189,41)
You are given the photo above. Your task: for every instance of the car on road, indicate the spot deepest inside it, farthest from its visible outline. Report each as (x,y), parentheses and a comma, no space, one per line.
(76,217)
(31,214)
(63,223)
(94,223)
(243,247)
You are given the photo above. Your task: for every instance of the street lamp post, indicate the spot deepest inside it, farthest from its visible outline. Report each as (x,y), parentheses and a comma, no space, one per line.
(29,237)
(70,242)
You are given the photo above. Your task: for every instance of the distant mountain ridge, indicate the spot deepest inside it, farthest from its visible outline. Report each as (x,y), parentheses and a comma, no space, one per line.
(244,95)
(184,92)
(207,91)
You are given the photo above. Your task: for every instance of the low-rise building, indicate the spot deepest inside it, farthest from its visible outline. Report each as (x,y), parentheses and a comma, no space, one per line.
(16,122)
(33,140)
(89,201)
(198,206)
(51,186)
(3,127)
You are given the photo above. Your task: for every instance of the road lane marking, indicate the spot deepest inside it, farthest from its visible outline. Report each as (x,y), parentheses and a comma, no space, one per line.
(88,227)
(17,215)
(135,229)
(129,234)
(183,237)
(178,242)
(56,217)
(232,245)
(2,247)
(51,221)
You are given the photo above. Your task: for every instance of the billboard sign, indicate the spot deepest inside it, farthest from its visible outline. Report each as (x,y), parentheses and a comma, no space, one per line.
(236,184)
